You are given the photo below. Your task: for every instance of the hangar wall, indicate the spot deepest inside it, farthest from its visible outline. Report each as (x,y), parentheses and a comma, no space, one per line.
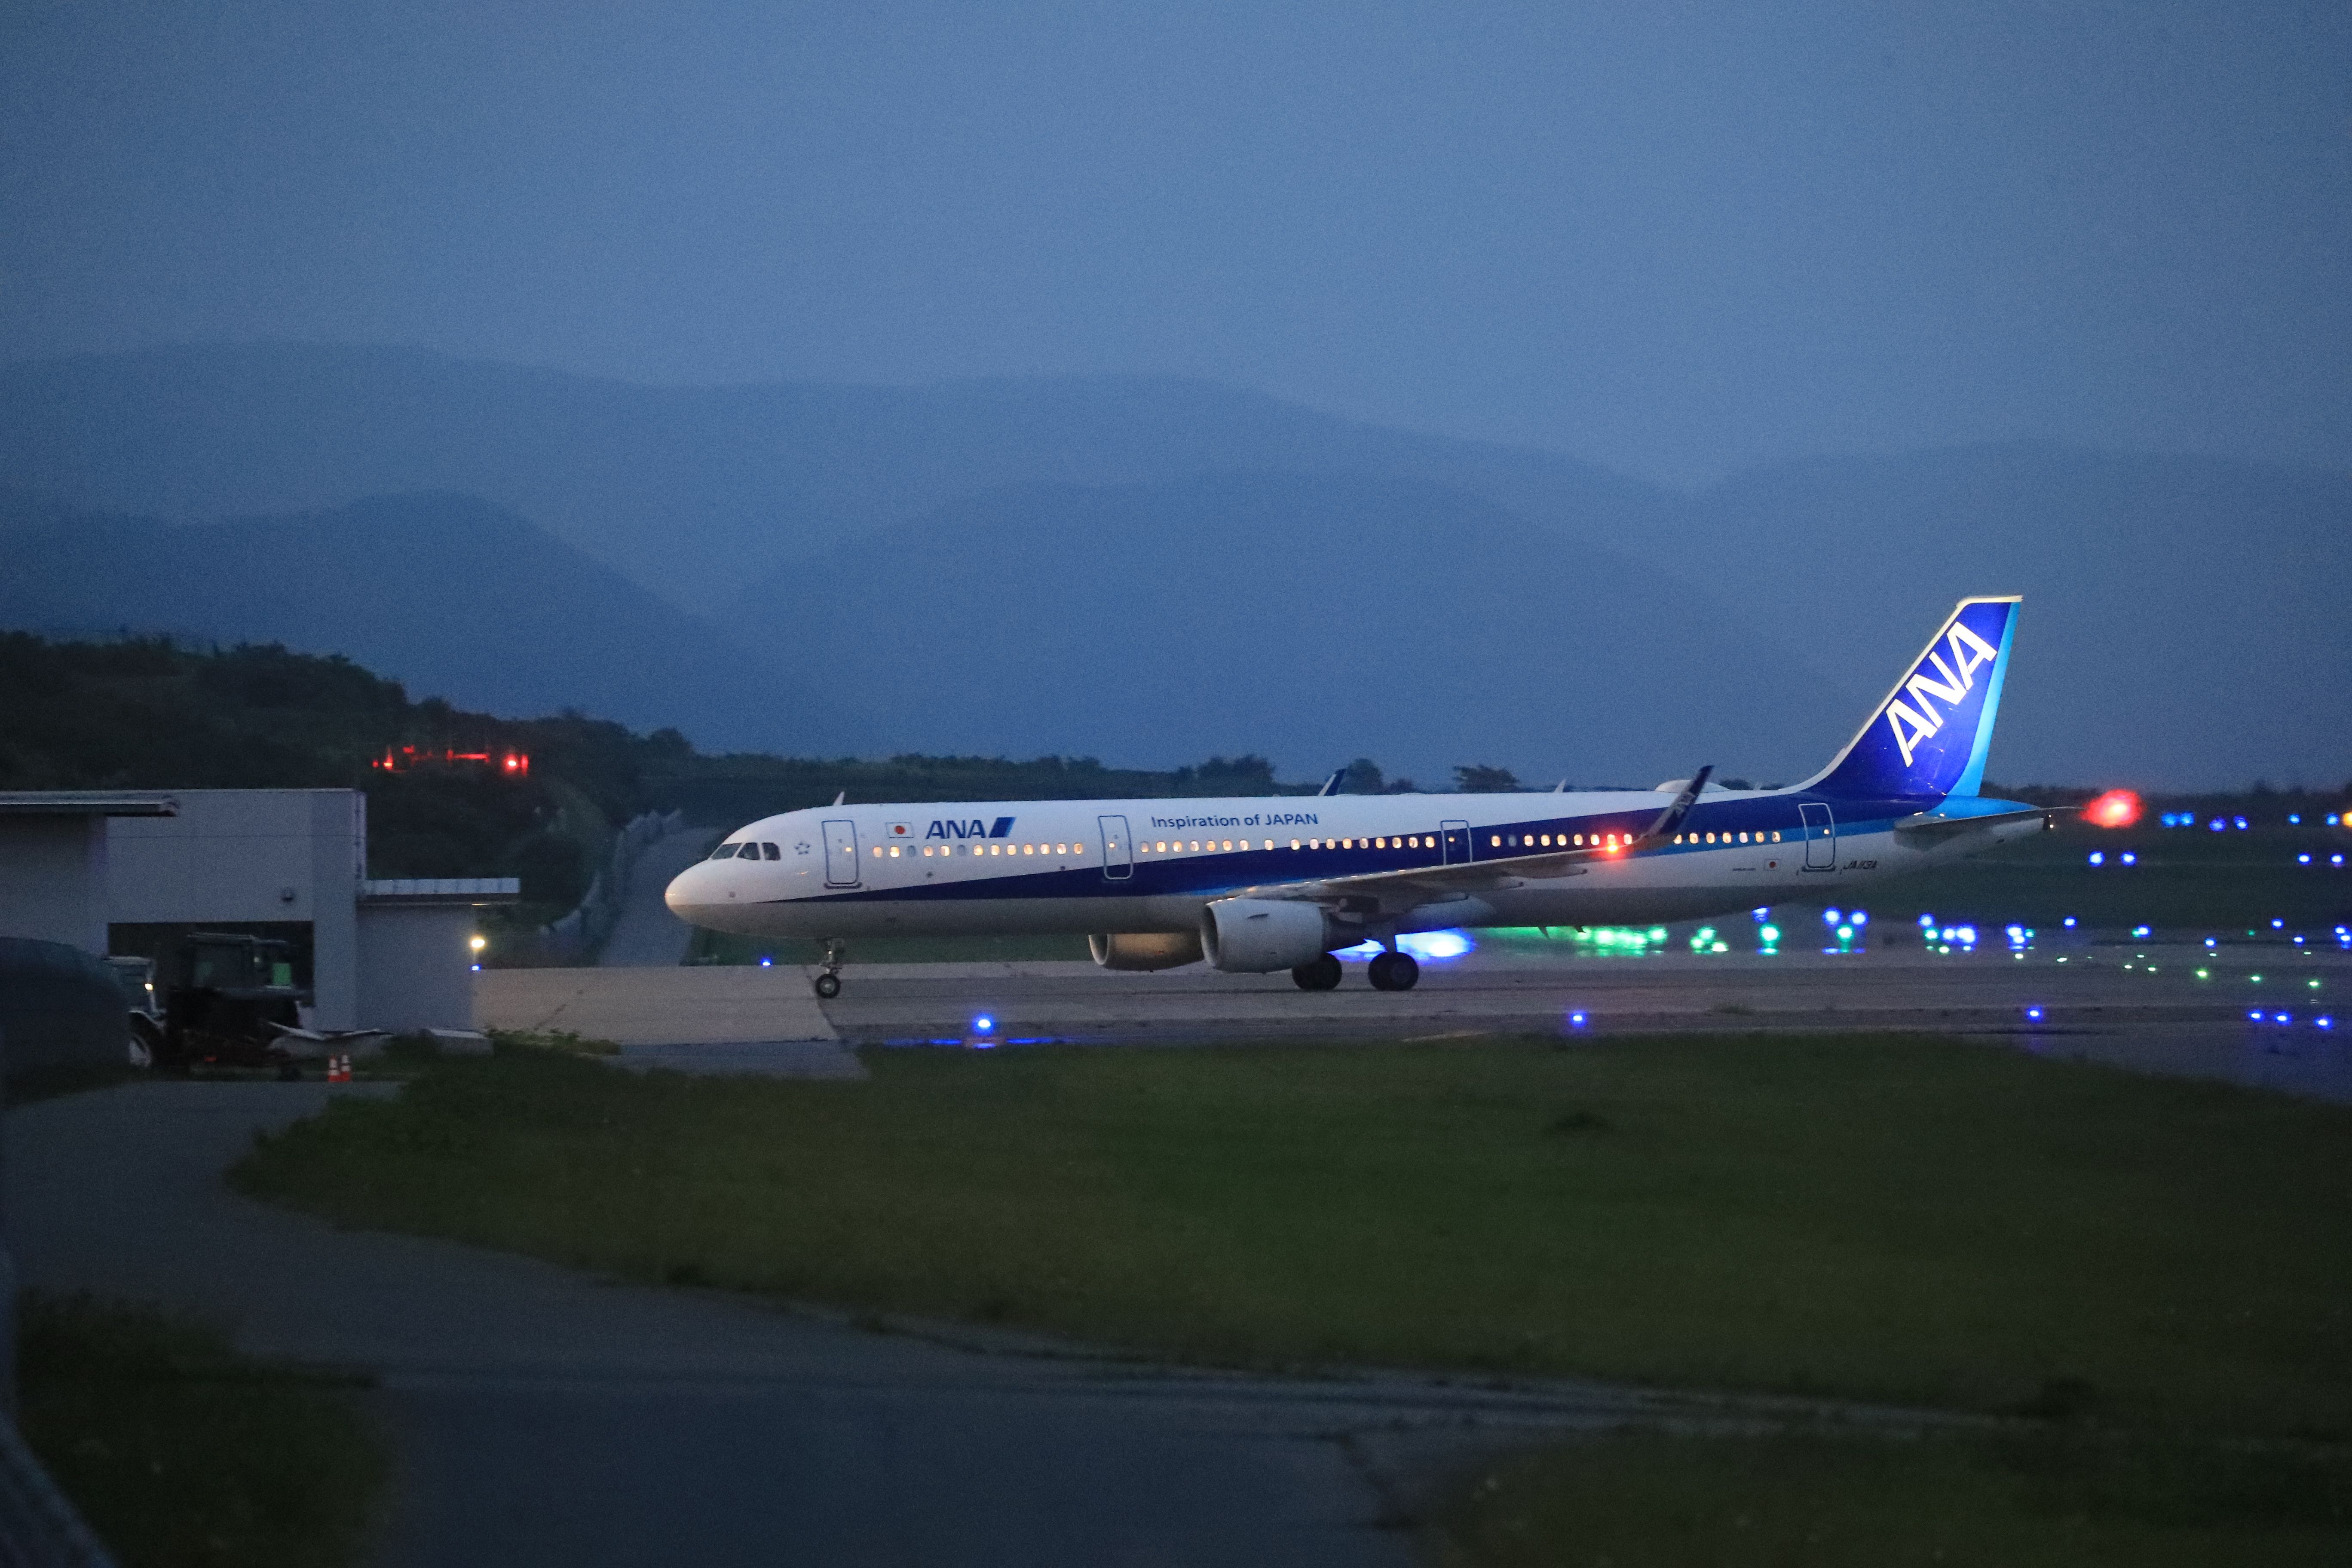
(237,856)
(89,869)
(53,879)
(415,968)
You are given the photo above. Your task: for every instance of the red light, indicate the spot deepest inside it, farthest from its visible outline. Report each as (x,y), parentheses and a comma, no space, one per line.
(2116,808)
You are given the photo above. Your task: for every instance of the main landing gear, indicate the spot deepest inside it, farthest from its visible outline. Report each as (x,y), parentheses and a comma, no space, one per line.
(1321,975)
(827,985)
(1390,971)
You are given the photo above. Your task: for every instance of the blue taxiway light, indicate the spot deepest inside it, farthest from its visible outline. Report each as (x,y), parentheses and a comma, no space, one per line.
(1577,1019)
(2033,1014)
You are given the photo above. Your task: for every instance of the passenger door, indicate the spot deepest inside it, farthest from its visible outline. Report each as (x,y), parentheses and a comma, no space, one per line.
(841,854)
(1118,856)
(1820,836)
(1457,842)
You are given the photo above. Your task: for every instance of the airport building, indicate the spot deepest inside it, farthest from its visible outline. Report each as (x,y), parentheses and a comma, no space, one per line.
(129,873)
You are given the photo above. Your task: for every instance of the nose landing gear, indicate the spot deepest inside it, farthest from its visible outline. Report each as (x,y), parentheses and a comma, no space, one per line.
(827,983)
(1392,970)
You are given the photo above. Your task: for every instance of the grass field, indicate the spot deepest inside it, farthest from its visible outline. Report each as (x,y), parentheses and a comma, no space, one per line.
(1894,1218)
(2182,879)
(2066,1499)
(182,1454)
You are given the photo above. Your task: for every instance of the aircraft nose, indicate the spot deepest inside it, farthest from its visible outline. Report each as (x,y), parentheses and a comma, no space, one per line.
(689,892)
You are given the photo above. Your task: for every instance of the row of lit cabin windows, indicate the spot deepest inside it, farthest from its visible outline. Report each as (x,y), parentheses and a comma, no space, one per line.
(976,850)
(1613,840)
(1181,846)
(1213,846)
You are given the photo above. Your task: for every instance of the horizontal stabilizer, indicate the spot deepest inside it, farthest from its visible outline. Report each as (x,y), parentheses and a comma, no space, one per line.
(1935,827)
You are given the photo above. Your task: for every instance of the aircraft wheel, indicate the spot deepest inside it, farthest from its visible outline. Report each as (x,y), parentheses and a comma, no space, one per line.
(1393,972)
(1319,975)
(828,986)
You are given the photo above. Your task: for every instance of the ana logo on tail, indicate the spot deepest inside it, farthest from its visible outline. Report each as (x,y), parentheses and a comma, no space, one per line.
(1938,718)
(1970,653)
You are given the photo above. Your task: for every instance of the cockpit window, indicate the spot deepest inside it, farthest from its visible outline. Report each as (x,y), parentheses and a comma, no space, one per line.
(771,852)
(725,852)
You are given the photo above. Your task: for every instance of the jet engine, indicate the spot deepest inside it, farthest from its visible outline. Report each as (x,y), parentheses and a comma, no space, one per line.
(1254,936)
(1145,950)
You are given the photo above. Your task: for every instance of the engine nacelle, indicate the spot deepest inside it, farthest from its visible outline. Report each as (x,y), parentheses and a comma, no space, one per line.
(1253,936)
(1145,950)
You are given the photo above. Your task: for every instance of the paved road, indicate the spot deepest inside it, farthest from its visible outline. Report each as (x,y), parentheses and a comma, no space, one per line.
(546,1417)
(647,935)
(675,1006)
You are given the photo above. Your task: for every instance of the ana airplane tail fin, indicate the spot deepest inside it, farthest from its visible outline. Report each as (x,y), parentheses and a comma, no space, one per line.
(1930,735)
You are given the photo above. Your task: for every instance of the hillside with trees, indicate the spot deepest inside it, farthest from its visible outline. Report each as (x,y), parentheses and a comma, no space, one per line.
(152,714)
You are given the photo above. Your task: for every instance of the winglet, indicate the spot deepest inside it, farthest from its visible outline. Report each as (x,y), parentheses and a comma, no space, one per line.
(1672,817)
(1331,785)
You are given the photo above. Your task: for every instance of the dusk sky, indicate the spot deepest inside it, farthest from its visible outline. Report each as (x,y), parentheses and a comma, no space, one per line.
(1675,239)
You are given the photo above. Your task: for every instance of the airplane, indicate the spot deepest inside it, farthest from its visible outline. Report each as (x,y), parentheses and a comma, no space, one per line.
(1254,886)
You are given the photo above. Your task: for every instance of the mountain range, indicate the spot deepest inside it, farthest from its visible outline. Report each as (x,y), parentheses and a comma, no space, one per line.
(1153,570)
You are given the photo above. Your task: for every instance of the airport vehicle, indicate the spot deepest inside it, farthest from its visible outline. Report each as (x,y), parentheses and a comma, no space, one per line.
(1260,885)
(137,978)
(227,999)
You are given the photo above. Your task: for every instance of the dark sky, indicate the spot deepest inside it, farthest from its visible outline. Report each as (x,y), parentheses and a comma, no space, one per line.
(1674,239)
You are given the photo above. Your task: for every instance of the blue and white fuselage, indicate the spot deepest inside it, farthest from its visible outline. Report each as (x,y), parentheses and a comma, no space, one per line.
(1278,883)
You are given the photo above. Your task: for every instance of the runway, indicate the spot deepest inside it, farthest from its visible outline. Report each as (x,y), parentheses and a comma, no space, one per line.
(2136,1004)
(2165,1005)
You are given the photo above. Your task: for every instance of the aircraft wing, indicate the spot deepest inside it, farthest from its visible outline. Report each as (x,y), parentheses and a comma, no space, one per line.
(1395,892)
